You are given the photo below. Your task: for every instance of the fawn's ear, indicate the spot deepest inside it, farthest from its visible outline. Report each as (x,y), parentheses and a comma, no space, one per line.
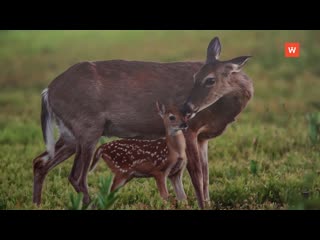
(161,109)
(214,50)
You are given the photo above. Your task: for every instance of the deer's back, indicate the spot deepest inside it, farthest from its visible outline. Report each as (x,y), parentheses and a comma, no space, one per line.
(122,93)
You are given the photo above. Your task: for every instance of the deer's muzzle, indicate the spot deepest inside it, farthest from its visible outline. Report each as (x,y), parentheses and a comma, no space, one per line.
(189,110)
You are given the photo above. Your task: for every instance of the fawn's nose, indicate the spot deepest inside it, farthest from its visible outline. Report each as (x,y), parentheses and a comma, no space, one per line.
(183,125)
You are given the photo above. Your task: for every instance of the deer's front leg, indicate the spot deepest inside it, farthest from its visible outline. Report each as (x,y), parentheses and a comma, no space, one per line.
(203,149)
(194,166)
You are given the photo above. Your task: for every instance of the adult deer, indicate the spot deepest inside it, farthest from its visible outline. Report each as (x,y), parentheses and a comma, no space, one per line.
(116,98)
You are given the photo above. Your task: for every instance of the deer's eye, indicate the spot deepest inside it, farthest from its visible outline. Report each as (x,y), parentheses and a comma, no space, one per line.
(172,118)
(209,82)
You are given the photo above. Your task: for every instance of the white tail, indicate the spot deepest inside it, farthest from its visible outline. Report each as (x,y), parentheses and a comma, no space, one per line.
(47,118)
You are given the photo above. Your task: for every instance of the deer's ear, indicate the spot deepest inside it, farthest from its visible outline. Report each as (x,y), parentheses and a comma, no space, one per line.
(236,64)
(214,50)
(161,109)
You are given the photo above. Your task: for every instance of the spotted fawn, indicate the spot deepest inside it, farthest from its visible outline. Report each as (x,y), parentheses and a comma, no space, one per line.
(160,158)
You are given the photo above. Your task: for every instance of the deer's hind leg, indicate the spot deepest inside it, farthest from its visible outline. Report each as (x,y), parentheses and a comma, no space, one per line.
(79,172)
(87,138)
(43,164)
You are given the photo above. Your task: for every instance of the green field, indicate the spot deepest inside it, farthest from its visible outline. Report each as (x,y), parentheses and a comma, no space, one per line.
(265,160)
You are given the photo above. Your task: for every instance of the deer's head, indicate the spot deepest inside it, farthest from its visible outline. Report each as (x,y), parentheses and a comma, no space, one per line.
(213,80)
(172,118)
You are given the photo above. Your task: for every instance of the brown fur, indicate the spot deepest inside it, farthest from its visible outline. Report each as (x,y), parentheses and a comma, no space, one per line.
(115,98)
(216,105)
(134,158)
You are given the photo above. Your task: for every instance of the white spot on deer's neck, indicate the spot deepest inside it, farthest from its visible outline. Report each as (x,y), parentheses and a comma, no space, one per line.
(174,131)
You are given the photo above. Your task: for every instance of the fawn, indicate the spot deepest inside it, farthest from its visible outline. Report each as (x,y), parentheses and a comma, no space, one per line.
(160,158)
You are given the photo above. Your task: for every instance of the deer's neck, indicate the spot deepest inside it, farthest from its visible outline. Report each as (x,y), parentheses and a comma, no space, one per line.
(176,142)
(242,83)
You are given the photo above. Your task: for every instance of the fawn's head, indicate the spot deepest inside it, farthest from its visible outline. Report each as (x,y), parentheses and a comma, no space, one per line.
(172,118)
(212,81)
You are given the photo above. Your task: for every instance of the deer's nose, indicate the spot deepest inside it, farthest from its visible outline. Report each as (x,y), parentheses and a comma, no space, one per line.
(188,110)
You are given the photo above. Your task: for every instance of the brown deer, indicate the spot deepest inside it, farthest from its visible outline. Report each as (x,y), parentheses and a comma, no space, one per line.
(160,158)
(115,98)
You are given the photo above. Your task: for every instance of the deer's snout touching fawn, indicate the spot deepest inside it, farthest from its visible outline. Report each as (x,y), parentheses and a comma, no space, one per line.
(160,158)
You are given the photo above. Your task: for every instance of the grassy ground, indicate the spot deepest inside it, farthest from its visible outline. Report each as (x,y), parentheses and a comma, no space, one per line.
(265,160)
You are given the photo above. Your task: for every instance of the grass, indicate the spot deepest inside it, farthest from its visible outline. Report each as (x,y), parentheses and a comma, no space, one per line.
(268,159)
(103,201)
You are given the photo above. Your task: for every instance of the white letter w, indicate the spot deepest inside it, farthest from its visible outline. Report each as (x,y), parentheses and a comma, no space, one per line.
(292,49)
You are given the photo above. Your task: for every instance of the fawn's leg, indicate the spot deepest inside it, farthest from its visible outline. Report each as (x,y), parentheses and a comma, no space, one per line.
(177,184)
(118,181)
(162,185)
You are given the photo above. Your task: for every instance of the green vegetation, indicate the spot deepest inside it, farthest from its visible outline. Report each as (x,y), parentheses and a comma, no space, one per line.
(103,201)
(314,127)
(268,159)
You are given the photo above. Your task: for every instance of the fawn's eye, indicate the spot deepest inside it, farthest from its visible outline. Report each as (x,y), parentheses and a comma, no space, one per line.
(172,118)
(209,82)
